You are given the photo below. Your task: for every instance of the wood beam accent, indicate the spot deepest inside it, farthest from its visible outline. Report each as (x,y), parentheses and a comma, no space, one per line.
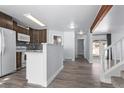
(101,14)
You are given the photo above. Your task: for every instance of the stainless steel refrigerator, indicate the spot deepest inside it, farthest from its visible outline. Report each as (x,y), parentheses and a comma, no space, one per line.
(7,51)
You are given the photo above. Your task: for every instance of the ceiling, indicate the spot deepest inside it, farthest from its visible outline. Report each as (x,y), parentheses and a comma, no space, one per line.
(113,21)
(56,17)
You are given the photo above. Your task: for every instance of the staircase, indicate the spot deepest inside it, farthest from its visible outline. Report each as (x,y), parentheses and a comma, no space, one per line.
(112,60)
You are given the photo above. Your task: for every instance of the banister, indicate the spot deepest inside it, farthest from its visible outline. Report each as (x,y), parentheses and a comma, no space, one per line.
(111,62)
(109,49)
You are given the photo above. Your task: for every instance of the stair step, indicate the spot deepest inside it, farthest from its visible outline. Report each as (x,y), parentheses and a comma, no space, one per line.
(122,74)
(117,82)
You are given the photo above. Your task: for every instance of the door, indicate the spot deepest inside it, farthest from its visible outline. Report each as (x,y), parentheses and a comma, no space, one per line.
(8,51)
(0,53)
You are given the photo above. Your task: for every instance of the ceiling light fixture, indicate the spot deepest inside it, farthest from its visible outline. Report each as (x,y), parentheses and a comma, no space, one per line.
(29,16)
(72,25)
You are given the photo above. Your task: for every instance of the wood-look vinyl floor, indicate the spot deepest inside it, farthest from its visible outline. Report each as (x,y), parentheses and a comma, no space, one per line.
(78,74)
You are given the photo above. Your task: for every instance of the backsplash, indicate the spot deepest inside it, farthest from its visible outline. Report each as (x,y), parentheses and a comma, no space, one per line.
(29,46)
(21,43)
(34,46)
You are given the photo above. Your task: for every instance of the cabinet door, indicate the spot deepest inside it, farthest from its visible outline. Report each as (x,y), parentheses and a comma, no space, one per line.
(31,36)
(43,36)
(38,36)
(18,60)
(35,37)
(27,31)
(6,21)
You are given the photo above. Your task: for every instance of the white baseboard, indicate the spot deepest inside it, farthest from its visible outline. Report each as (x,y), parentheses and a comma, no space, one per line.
(52,77)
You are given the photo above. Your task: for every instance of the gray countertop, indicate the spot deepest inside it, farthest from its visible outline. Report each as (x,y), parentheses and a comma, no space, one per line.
(23,49)
(28,50)
(34,51)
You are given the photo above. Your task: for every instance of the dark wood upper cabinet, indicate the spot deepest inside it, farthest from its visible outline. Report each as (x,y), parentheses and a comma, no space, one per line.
(43,36)
(20,29)
(31,35)
(6,21)
(38,36)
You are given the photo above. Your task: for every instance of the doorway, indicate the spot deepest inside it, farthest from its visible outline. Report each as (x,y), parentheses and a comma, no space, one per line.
(98,47)
(80,48)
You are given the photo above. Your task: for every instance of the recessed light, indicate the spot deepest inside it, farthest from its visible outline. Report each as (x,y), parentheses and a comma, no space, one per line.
(72,25)
(29,16)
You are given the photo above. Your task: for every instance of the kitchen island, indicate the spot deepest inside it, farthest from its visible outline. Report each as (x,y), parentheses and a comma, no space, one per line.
(42,66)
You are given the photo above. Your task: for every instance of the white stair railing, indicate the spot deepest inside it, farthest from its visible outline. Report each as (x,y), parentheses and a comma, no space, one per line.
(112,55)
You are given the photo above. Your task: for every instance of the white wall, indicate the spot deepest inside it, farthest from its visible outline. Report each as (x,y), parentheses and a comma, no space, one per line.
(69,45)
(51,33)
(68,41)
(99,37)
(117,34)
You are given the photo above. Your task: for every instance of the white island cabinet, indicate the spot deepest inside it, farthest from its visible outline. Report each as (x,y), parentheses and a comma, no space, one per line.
(43,66)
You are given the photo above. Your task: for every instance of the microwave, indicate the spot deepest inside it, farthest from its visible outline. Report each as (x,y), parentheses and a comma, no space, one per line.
(23,37)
